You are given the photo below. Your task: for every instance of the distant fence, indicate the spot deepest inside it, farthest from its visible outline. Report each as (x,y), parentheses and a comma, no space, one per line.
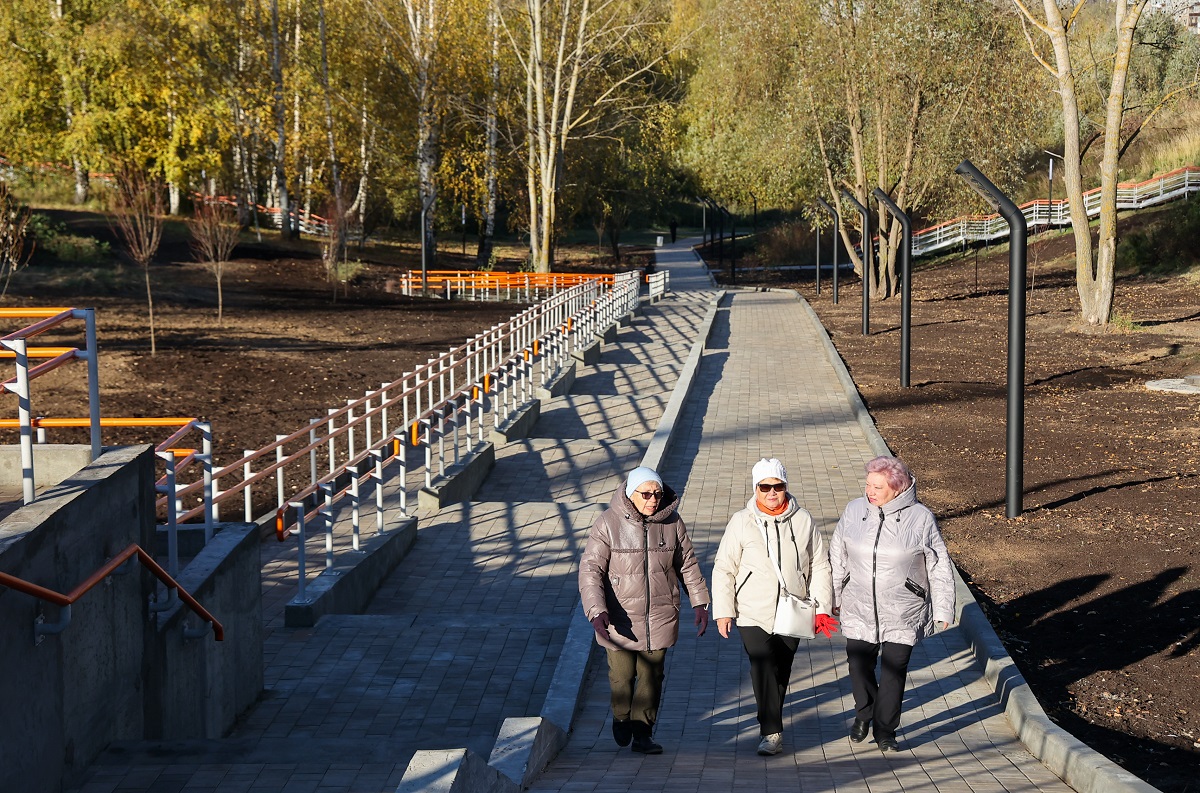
(979,228)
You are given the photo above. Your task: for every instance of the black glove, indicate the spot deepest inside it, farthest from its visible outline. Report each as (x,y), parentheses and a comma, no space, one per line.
(600,624)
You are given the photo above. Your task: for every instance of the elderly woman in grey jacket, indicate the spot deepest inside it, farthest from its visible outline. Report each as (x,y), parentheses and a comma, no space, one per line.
(637,555)
(893,582)
(773,538)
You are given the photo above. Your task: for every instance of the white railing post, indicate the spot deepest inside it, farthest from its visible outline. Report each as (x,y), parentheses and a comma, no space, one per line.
(168,457)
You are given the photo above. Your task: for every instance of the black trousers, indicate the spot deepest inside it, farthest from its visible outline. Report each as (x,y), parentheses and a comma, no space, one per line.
(878,702)
(770,669)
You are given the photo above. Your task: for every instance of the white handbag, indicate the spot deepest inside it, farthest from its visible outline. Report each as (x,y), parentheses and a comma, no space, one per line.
(794,616)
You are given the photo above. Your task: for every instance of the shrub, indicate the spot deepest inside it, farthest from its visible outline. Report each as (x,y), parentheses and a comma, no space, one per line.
(55,241)
(1167,248)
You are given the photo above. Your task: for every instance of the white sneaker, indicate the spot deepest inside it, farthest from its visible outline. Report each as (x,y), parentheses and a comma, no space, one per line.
(771,744)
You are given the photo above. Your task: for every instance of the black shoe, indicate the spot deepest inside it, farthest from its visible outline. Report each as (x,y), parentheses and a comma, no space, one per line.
(859,731)
(622,731)
(646,746)
(888,745)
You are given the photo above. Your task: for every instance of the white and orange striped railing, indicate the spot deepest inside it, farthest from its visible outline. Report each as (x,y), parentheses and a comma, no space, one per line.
(1132,195)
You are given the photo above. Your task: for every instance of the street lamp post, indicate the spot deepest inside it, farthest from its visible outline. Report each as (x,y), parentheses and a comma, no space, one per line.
(426,204)
(836,228)
(1017,233)
(905,280)
(866,260)
(1050,187)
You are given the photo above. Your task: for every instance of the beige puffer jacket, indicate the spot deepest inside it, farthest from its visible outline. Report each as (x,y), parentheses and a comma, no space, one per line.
(632,568)
(745,587)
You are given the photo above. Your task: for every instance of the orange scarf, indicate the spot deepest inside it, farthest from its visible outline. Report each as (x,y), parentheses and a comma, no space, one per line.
(767,510)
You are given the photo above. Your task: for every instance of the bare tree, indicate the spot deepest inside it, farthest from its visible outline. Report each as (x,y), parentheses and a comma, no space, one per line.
(215,233)
(14,222)
(138,207)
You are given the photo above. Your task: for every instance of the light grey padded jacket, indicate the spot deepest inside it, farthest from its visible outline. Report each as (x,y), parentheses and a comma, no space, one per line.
(745,587)
(892,575)
(632,568)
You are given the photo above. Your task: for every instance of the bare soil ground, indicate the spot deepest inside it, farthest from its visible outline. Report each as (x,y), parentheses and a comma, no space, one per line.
(1094,589)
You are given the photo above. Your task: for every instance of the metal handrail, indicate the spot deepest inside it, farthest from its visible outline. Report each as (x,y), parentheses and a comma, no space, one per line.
(457,421)
(414,394)
(1041,212)
(65,601)
(18,348)
(184,458)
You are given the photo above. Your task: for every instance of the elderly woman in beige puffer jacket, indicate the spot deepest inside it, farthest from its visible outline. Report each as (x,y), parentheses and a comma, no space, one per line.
(638,553)
(773,530)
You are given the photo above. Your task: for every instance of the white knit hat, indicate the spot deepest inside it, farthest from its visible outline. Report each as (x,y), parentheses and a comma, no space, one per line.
(768,469)
(639,476)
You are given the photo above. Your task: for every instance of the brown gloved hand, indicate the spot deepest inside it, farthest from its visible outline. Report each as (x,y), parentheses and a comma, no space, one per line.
(600,624)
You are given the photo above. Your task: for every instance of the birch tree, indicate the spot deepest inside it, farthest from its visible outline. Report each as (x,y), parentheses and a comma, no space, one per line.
(584,63)
(1053,39)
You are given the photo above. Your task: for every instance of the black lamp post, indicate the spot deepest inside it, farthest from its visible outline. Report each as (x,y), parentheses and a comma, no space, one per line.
(836,229)
(905,279)
(1017,234)
(866,260)
(425,245)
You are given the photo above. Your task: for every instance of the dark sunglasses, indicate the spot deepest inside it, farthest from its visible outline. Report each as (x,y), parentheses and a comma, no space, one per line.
(780,487)
(649,494)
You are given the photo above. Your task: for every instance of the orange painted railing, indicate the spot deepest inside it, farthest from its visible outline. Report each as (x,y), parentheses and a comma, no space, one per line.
(65,601)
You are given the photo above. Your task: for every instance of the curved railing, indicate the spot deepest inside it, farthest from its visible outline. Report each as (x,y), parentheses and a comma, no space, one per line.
(66,601)
(978,228)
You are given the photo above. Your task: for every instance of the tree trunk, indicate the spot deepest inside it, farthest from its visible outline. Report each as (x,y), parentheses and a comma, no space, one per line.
(339,224)
(82,187)
(1096,287)
(286,231)
(150,308)
(484,254)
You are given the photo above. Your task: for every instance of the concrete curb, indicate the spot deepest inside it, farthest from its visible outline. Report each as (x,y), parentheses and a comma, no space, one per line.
(526,745)
(1076,763)
(656,452)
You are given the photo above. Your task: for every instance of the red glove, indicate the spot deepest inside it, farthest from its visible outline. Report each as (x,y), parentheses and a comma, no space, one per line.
(600,624)
(825,624)
(701,620)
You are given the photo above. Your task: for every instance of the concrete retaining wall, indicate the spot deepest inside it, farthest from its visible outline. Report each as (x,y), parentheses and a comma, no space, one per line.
(117,672)
(52,463)
(197,686)
(68,696)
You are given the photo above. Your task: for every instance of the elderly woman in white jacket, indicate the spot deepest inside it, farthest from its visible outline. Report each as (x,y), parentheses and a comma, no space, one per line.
(894,581)
(772,532)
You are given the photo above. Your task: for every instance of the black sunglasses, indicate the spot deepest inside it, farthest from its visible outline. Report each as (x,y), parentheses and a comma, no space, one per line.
(778,487)
(649,494)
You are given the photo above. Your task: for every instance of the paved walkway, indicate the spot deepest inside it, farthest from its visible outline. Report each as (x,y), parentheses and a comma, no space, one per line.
(468,630)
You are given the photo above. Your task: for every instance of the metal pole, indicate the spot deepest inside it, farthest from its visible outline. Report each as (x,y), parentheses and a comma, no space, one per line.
(1017,234)
(905,280)
(93,370)
(866,260)
(1049,193)
(836,228)
(818,228)
(732,247)
(424,262)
